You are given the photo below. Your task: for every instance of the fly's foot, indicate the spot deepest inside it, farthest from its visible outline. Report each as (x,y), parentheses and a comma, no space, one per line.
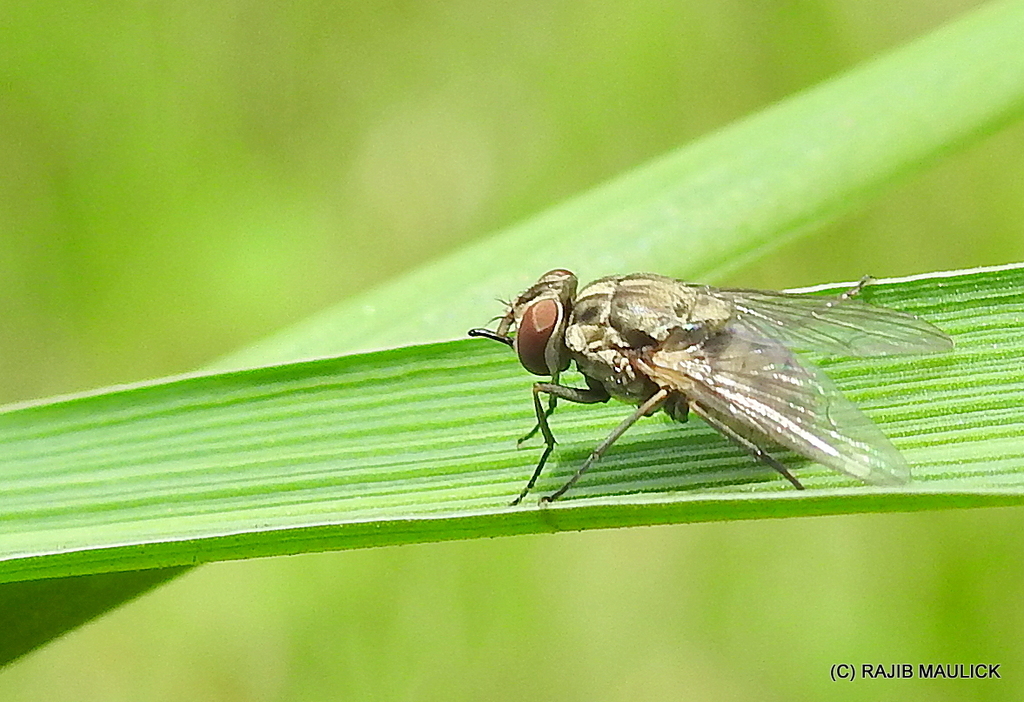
(856,289)
(528,435)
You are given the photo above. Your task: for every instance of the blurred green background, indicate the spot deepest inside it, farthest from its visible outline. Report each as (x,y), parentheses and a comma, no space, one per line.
(179,180)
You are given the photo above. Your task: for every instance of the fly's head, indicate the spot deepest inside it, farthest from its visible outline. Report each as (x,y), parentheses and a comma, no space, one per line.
(534,325)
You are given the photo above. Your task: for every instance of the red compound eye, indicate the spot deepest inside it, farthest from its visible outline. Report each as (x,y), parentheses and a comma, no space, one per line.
(533,335)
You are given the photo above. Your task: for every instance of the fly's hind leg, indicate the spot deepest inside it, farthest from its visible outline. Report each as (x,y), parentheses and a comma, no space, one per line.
(746,444)
(592,394)
(855,290)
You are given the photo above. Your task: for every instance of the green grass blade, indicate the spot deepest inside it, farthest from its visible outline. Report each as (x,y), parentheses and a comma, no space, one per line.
(33,612)
(417,444)
(717,203)
(694,214)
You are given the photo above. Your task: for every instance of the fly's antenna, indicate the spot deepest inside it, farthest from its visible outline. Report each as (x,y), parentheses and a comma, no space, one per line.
(488,334)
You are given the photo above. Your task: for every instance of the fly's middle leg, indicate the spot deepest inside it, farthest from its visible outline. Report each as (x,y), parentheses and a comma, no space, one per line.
(648,407)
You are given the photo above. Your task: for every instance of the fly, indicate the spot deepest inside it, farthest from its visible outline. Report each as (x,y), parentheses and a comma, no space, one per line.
(723,354)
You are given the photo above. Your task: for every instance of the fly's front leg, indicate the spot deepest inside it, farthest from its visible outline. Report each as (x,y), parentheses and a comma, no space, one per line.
(586,396)
(541,416)
(592,394)
(507,340)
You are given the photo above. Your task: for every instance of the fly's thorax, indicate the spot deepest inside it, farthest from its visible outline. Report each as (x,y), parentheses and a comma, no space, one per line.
(619,318)
(646,309)
(605,351)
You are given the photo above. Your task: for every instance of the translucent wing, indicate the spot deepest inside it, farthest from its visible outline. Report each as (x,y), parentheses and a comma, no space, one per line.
(834,324)
(760,389)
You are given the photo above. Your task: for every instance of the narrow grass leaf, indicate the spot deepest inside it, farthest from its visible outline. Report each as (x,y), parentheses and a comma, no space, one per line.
(418,444)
